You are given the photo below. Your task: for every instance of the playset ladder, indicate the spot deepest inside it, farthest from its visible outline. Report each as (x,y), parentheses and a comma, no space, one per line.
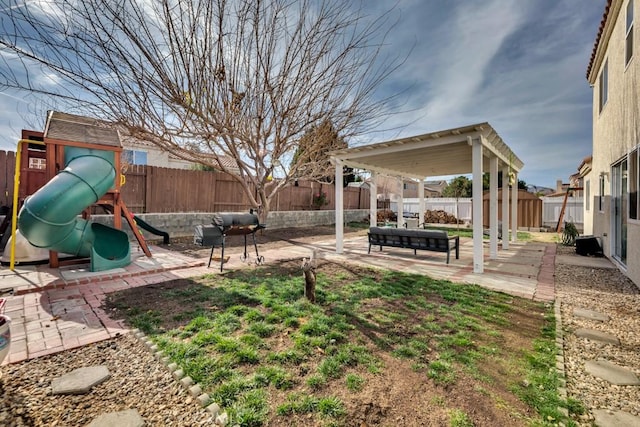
(564,207)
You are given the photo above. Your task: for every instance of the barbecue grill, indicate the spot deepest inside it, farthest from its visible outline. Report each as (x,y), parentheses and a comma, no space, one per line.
(226,224)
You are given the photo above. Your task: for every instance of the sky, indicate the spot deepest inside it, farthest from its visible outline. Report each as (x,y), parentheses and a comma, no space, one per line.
(518,64)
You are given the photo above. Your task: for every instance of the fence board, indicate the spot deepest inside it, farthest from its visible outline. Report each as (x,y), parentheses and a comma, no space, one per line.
(7,170)
(133,192)
(529,212)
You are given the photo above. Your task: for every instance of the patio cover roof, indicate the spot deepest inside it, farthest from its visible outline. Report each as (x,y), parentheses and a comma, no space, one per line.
(468,149)
(445,152)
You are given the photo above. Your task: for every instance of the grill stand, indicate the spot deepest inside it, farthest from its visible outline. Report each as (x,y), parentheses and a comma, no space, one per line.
(239,231)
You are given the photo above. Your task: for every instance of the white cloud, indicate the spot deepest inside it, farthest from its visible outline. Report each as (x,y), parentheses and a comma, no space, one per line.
(474,38)
(518,64)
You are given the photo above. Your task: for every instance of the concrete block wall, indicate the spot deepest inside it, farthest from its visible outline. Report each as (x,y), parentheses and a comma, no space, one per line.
(183,224)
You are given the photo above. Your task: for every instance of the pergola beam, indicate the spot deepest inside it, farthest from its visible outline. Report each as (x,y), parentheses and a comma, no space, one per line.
(474,146)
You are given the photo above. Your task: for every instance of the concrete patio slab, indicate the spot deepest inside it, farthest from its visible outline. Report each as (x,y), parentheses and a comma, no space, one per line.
(74,273)
(584,261)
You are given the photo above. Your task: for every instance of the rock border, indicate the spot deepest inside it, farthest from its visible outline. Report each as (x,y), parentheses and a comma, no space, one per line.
(221,418)
(562,388)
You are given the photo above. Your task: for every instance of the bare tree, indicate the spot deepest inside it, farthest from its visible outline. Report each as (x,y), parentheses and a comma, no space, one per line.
(239,78)
(388,186)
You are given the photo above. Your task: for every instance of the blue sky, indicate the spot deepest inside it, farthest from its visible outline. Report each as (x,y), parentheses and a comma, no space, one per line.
(518,64)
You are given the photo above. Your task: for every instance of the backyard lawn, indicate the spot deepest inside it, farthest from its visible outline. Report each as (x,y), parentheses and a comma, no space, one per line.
(378,348)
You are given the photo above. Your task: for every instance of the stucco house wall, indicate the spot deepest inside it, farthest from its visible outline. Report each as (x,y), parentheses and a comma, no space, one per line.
(155,155)
(616,124)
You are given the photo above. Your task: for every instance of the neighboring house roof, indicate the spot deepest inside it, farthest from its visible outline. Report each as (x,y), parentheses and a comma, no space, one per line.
(575,180)
(531,188)
(225,161)
(194,157)
(601,32)
(585,166)
(435,186)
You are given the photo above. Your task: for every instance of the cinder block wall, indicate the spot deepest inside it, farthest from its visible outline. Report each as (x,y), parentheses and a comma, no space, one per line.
(183,224)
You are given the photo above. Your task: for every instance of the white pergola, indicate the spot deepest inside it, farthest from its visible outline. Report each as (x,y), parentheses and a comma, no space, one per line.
(468,149)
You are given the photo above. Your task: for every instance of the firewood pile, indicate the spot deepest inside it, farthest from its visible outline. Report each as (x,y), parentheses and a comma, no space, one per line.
(440,217)
(386,215)
(430,217)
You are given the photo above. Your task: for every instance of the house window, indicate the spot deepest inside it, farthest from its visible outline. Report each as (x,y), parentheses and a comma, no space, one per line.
(634,184)
(604,84)
(134,157)
(37,163)
(601,194)
(587,195)
(628,50)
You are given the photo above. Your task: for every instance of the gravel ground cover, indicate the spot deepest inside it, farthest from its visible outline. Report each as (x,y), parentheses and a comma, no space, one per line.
(139,381)
(609,292)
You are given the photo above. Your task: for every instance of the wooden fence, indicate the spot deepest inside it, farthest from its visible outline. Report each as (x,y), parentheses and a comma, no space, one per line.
(7,170)
(529,209)
(150,189)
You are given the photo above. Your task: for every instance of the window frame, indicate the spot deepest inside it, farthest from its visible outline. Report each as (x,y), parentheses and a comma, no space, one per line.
(135,157)
(628,38)
(601,187)
(633,184)
(587,195)
(38,163)
(603,85)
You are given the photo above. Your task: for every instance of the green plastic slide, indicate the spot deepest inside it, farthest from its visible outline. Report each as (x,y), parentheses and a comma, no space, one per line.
(50,217)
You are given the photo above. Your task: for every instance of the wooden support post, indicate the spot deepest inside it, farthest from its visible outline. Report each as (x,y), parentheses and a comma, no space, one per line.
(564,206)
(134,227)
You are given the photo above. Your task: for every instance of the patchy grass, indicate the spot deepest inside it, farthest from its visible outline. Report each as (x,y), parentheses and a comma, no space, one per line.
(373,340)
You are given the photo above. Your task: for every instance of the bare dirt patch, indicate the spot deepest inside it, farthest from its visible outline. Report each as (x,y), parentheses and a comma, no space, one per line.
(265,239)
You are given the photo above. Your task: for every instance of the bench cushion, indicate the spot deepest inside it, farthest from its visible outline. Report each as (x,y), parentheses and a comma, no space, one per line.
(388,231)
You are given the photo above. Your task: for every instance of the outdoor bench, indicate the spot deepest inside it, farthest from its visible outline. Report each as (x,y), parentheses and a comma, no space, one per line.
(426,240)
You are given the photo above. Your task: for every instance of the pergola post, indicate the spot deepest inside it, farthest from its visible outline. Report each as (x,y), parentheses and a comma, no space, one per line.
(493,207)
(373,200)
(505,208)
(339,207)
(476,159)
(421,201)
(514,209)
(400,219)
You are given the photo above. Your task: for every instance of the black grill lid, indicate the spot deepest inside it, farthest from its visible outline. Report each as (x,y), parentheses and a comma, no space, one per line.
(235,219)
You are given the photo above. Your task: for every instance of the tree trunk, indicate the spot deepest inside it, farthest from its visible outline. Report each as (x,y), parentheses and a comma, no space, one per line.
(309,270)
